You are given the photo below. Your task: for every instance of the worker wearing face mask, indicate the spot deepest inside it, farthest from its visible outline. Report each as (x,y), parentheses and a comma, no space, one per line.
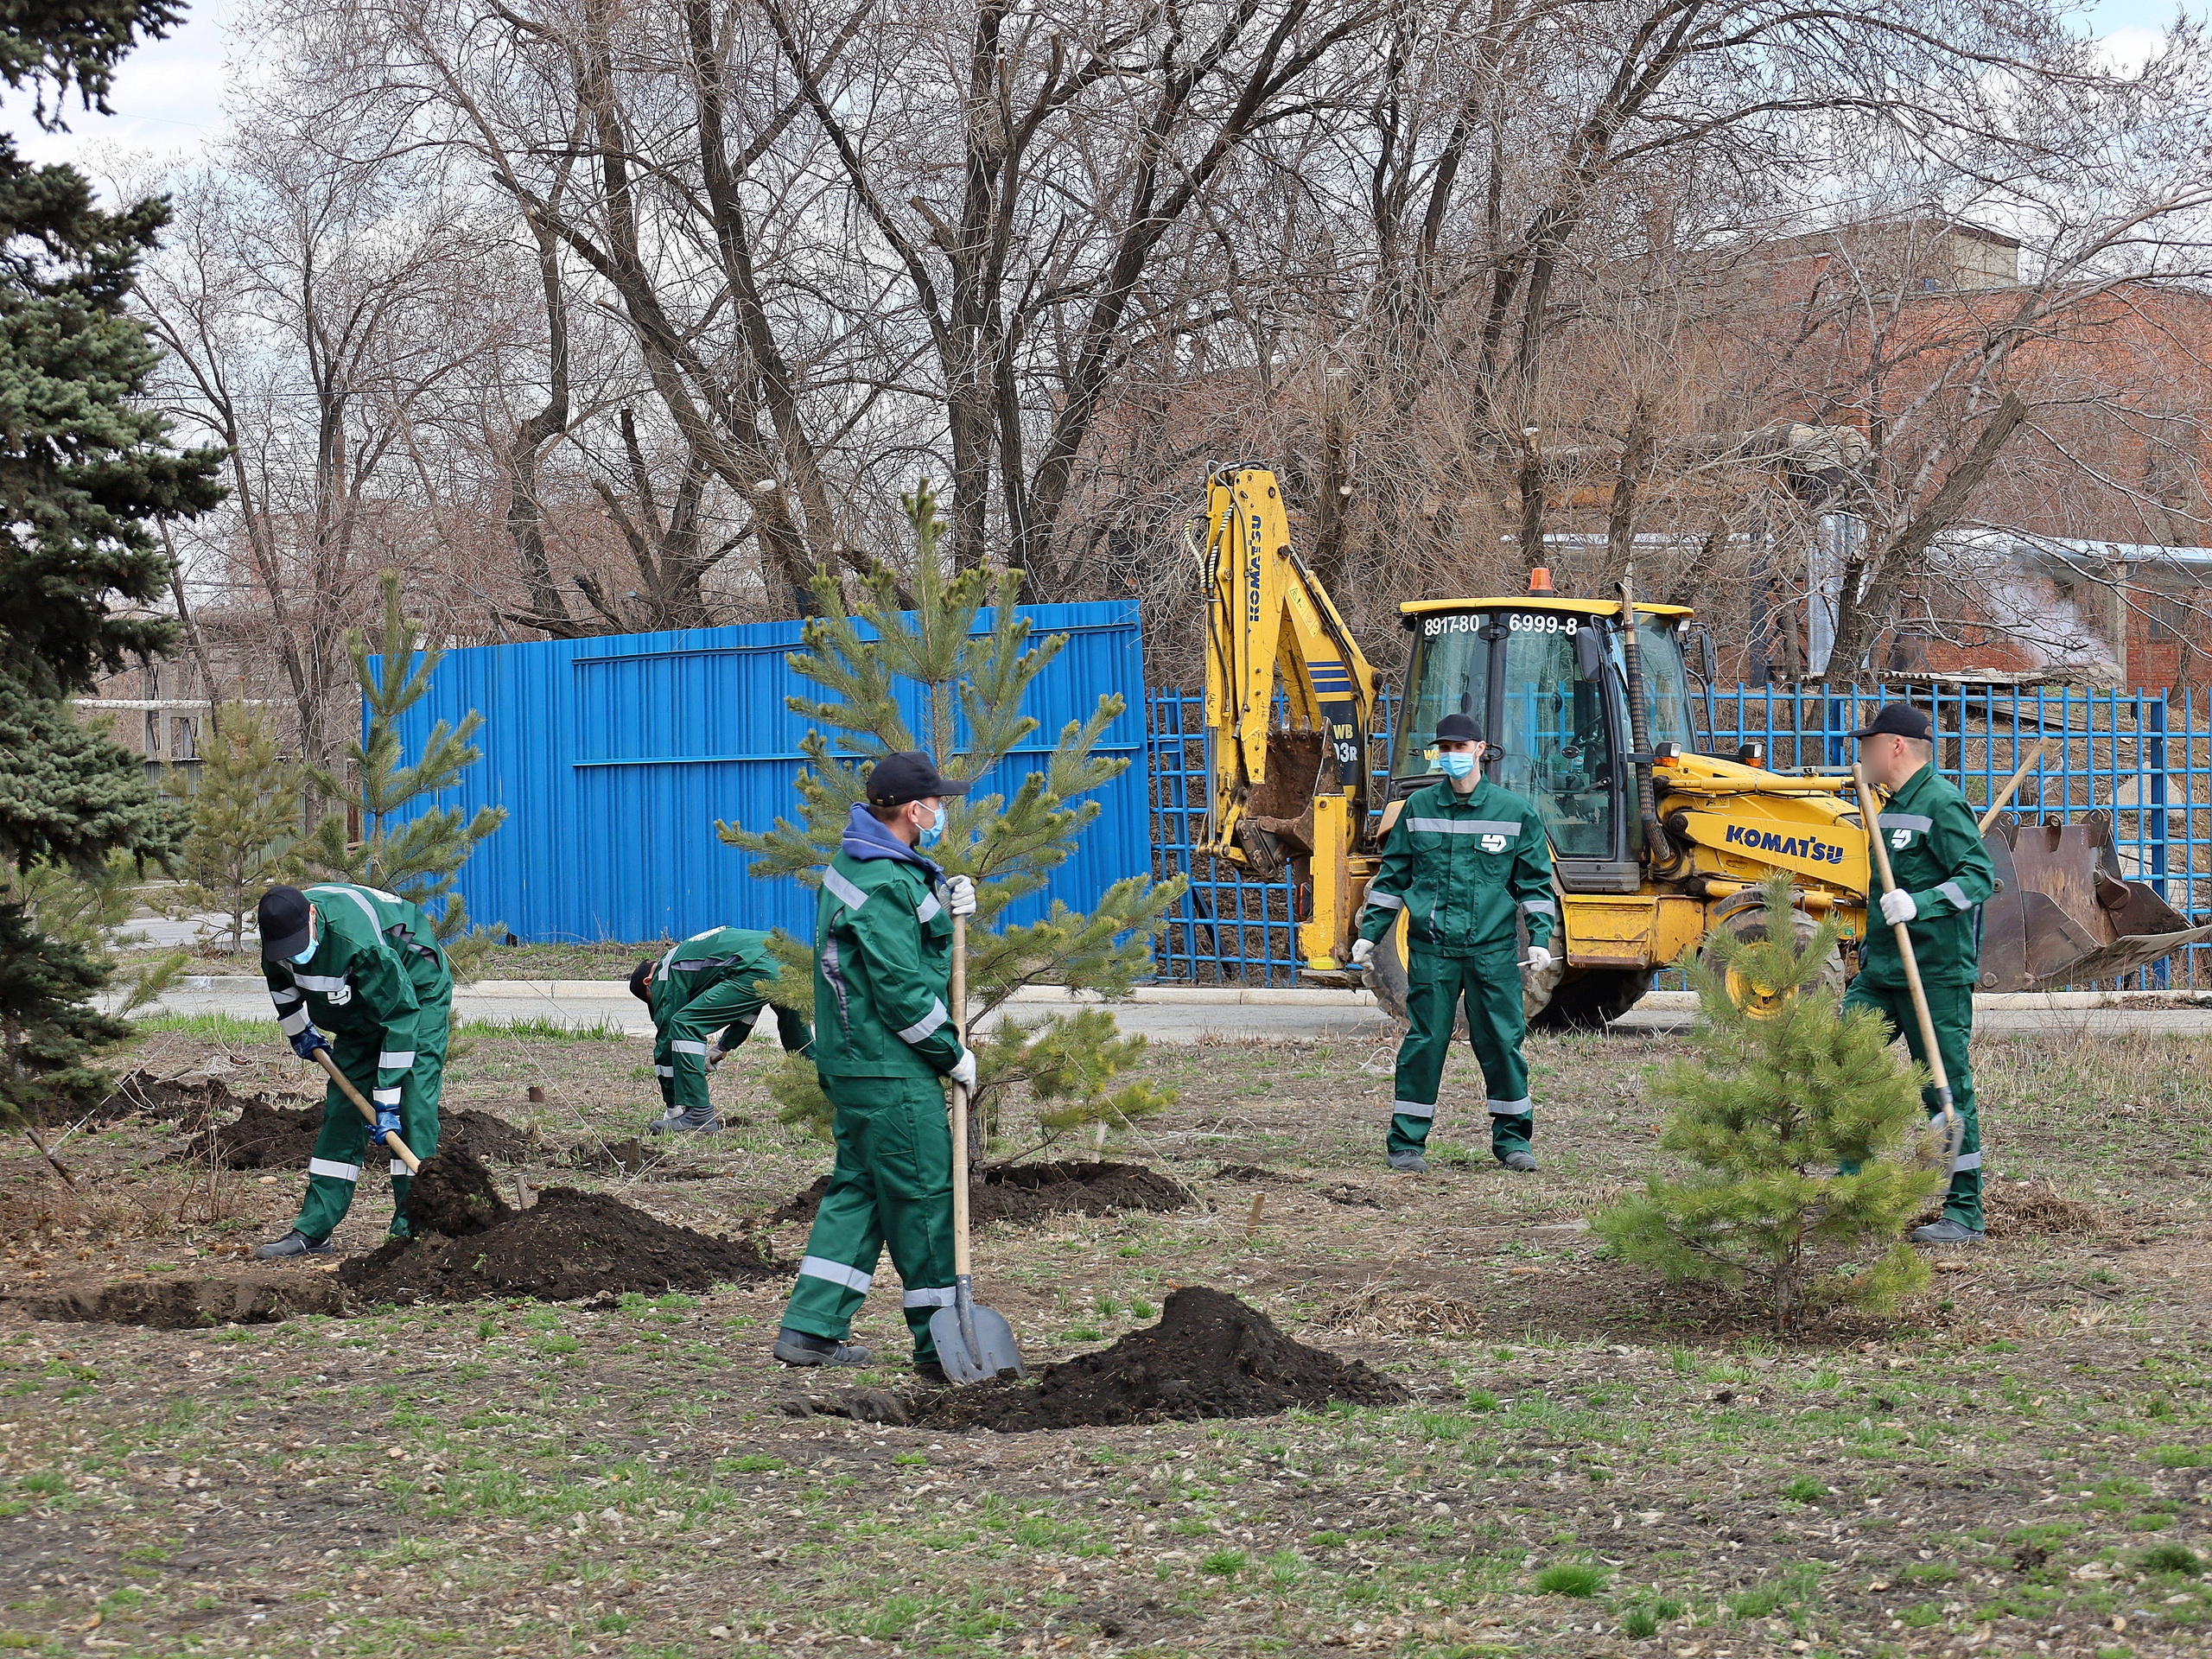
(1468,863)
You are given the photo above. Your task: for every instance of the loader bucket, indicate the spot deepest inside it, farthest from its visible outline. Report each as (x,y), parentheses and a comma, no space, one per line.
(1278,821)
(2062,914)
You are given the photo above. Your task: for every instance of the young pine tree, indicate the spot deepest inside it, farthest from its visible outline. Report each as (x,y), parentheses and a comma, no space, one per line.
(1768,1112)
(242,814)
(969,687)
(420,858)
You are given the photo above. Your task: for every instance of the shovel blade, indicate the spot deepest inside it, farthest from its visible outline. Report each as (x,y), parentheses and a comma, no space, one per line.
(992,1354)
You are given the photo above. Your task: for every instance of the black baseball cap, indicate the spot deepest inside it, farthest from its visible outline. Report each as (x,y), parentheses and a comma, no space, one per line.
(640,979)
(1899,720)
(909,775)
(1459,728)
(283,917)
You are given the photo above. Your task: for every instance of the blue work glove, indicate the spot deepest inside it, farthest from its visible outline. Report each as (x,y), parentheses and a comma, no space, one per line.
(387,1123)
(308,1041)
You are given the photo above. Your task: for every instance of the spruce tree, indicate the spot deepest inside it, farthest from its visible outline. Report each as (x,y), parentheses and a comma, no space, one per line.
(969,686)
(420,858)
(1769,1112)
(242,814)
(86,466)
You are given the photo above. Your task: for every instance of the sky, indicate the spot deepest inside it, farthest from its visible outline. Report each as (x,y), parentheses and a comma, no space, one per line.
(168,96)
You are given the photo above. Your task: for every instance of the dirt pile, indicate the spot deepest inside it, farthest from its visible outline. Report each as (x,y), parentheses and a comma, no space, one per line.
(454,1195)
(567,1246)
(1210,1356)
(185,1303)
(1022,1193)
(268,1136)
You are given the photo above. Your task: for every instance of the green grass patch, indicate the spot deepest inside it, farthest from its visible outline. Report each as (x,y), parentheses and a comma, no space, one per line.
(2173,1558)
(225,1028)
(539,1029)
(1805,1490)
(1570,1578)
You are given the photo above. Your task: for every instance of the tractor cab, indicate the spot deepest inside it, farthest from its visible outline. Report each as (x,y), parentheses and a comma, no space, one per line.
(1548,679)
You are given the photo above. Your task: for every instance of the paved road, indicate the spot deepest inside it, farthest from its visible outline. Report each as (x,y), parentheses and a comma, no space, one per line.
(1183,1015)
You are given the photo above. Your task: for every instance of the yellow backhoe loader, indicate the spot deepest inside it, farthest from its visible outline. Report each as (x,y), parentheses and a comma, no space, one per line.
(1655,847)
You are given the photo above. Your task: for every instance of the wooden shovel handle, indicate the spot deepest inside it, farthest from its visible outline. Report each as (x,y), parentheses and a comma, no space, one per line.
(397,1146)
(960,1252)
(1881,851)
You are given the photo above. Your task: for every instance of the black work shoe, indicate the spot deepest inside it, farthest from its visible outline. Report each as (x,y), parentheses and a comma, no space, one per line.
(931,1375)
(687,1122)
(1411,1163)
(1524,1162)
(295,1242)
(798,1348)
(1947,1231)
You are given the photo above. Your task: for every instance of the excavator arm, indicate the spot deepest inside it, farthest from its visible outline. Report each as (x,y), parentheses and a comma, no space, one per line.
(1288,792)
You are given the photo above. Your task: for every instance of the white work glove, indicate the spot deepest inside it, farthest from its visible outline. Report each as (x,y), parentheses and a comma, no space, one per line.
(1897,906)
(1362,952)
(715,1053)
(1539,958)
(963,1070)
(960,895)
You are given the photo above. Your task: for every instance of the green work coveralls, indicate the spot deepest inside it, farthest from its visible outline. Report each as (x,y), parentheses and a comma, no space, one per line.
(379,986)
(703,986)
(1937,855)
(1467,869)
(882,1039)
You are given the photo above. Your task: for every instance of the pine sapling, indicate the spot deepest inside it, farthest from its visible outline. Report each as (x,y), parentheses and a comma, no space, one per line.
(242,816)
(1802,1129)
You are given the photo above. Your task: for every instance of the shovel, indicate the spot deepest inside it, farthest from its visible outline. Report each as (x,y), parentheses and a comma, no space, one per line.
(973,1344)
(397,1146)
(1954,1128)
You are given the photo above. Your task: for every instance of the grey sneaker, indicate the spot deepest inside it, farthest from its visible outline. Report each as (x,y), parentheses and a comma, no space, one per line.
(1520,1160)
(1947,1231)
(694,1122)
(1411,1162)
(797,1348)
(295,1242)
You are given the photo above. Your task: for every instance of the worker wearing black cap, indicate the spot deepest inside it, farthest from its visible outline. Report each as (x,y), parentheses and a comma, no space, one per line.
(704,996)
(1943,872)
(365,965)
(1469,864)
(883,1040)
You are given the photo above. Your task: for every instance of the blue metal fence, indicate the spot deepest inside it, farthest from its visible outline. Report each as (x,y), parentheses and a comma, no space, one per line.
(615,756)
(2142,757)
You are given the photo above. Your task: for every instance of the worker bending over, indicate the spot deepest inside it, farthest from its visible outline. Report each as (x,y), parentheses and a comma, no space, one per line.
(704,997)
(883,1041)
(366,966)
(1943,872)
(1468,863)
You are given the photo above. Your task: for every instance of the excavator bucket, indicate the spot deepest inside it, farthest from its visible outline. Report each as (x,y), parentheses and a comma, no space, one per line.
(1277,824)
(2063,915)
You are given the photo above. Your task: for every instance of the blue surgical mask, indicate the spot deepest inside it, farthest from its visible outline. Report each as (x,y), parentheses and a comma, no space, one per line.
(1455,764)
(307,955)
(932,832)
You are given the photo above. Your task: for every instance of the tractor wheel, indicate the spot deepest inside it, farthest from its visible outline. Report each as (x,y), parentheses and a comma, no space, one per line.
(1762,1001)
(1386,977)
(1592,1000)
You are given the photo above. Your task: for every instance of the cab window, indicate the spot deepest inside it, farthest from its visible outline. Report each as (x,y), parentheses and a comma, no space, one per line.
(1453,665)
(1559,752)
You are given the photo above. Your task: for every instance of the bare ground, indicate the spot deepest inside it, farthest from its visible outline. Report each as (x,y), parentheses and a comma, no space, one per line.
(2020,1464)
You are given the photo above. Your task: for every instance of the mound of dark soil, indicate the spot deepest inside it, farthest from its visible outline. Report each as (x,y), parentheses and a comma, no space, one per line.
(270,1136)
(181,1303)
(1021,1193)
(454,1195)
(567,1246)
(1210,1356)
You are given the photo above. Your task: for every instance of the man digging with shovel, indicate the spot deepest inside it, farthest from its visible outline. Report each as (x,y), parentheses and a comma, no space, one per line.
(884,1035)
(1941,871)
(703,998)
(365,966)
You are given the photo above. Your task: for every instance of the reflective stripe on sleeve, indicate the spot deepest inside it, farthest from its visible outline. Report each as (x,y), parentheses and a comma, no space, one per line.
(286,998)
(843,891)
(294,1023)
(324,982)
(1421,1108)
(1383,900)
(1904,821)
(1510,1108)
(395,1059)
(688,1048)
(1540,907)
(821,1266)
(941,1297)
(398,1168)
(1955,894)
(337,1172)
(1465,826)
(665,1070)
(929,1022)
(927,908)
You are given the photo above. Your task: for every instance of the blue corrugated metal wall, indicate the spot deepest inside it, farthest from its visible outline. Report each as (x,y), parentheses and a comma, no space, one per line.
(615,755)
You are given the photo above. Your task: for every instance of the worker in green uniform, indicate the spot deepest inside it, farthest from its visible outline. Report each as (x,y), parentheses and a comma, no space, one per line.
(1942,874)
(883,1040)
(1467,862)
(704,997)
(366,966)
